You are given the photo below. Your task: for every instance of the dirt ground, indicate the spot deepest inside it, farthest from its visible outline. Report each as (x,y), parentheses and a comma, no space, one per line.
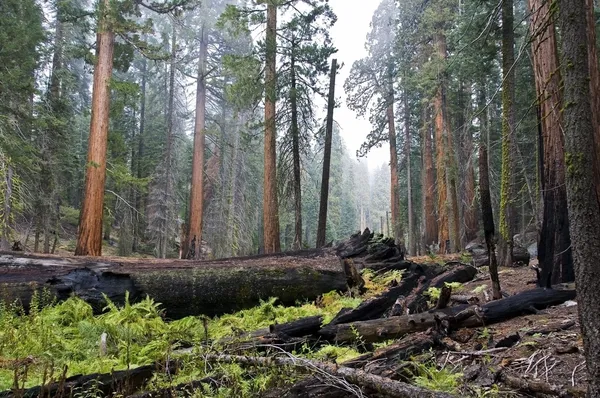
(544,347)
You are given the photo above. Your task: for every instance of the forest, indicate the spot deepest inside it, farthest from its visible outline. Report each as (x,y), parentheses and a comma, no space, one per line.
(182,213)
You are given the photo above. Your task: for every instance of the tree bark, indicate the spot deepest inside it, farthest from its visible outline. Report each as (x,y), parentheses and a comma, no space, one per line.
(594,71)
(270,205)
(297,245)
(322,227)
(182,287)
(507,189)
(193,242)
(443,154)
(488,219)
(394,183)
(554,246)
(582,198)
(410,243)
(89,241)
(139,201)
(430,227)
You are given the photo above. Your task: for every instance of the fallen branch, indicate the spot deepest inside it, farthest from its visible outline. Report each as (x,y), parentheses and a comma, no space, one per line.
(383,385)
(186,388)
(540,387)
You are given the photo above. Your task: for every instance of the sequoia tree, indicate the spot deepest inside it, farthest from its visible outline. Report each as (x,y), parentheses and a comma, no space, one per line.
(554,246)
(582,198)
(89,241)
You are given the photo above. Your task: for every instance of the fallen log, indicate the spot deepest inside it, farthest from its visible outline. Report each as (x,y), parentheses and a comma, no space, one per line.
(459,316)
(183,287)
(301,327)
(124,382)
(377,306)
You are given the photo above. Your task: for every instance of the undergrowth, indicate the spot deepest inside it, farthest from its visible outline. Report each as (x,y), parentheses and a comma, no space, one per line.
(57,340)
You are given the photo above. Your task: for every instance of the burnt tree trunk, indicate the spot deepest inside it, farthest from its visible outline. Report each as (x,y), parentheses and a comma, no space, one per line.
(488,219)
(182,287)
(322,227)
(554,246)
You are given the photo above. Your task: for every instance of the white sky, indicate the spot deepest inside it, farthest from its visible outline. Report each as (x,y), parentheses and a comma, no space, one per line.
(349,34)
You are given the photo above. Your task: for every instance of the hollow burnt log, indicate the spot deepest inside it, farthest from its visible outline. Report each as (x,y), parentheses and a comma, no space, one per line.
(182,287)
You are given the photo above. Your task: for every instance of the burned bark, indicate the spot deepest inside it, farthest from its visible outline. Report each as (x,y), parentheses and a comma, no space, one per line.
(182,287)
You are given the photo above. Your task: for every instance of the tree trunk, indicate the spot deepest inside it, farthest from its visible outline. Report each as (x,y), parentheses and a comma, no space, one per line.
(430,226)
(296,154)
(468,197)
(411,244)
(89,241)
(507,188)
(488,219)
(270,205)
(582,199)
(163,233)
(322,227)
(182,287)
(6,222)
(594,71)
(554,246)
(441,140)
(139,202)
(193,242)
(394,183)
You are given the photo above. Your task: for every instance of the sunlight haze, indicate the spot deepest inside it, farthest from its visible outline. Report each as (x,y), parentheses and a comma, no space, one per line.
(348,35)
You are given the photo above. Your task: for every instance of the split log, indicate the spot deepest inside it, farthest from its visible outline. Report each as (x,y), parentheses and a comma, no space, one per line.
(459,316)
(182,287)
(338,374)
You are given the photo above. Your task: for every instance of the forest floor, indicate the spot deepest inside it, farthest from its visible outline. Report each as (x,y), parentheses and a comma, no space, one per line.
(547,345)
(537,354)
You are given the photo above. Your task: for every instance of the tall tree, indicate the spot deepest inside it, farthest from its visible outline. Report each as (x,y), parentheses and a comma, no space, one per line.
(322,226)
(507,194)
(554,246)
(370,88)
(583,200)
(270,204)
(192,244)
(89,241)
(430,225)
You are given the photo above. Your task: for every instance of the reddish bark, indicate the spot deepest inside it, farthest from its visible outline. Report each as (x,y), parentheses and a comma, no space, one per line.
(192,244)
(89,241)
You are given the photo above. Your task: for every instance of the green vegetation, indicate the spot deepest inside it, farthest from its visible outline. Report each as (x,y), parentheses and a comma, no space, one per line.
(430,377)
(37,346)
